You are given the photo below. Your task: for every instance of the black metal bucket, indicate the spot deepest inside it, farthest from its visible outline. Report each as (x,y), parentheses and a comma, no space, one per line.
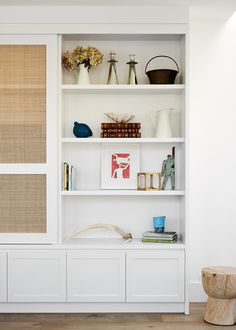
(162,76)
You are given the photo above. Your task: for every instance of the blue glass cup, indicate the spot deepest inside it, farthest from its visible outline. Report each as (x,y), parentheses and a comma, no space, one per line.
(159,223)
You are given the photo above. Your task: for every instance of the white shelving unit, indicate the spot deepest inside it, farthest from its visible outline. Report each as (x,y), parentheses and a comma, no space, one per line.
(98,271)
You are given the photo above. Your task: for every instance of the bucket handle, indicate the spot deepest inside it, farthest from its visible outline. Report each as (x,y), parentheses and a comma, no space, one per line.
(161,56)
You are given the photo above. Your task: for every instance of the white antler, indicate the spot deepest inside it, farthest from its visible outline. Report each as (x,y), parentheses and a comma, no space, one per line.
(126,236)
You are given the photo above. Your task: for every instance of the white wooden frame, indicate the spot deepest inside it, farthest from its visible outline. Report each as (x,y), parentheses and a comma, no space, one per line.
(3,276)
(50,167)
(119,183)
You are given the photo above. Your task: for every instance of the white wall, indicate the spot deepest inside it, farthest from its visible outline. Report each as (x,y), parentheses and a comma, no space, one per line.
(212,146)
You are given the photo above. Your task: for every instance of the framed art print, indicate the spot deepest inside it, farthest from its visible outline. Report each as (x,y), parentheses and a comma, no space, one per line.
(120,165)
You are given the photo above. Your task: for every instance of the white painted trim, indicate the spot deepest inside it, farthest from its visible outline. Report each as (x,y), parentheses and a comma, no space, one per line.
(28,39)
(92,308)
(27,238)
(186,163)
(101,28)
(78,244)
(52,138)
(59,135)
(93,14)
(3,276)
(23,168)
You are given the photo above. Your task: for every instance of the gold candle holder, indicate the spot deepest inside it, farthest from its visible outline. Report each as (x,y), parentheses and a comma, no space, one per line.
(148,180)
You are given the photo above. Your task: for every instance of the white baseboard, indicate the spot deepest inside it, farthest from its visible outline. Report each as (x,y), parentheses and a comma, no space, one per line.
(92,307)
(196,292)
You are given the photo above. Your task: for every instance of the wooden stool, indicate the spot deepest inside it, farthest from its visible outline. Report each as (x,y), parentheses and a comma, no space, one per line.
(219,284)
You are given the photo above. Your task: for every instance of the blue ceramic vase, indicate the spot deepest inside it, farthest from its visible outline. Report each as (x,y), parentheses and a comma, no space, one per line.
(81,130)
(159,223)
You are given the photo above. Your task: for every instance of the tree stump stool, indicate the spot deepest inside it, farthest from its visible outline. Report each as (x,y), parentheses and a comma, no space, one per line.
(219,284)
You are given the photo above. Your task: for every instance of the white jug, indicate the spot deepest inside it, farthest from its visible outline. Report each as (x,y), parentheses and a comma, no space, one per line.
(83,76)
(162,124)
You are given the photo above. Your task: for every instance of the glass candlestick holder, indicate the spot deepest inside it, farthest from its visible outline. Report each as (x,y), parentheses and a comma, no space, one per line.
(132,78)
(112,75)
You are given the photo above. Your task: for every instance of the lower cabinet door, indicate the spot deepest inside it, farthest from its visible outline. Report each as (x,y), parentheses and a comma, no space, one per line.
(37,276)
(3,276)
(155,276)
(96,276)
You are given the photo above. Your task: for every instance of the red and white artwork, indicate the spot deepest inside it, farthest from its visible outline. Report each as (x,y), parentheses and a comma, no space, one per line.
(120,165)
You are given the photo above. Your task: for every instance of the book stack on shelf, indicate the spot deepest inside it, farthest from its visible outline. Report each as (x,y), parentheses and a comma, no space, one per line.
(165,237)
(120,130)
(68,177)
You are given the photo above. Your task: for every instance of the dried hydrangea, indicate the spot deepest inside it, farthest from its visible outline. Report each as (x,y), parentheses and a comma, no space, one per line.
(68,62)
(95,56)
(90,56)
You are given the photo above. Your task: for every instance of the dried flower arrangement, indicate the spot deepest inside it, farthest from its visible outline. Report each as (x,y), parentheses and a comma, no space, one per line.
(89,56)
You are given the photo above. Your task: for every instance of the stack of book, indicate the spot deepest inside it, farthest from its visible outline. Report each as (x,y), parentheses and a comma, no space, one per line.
(68,177)
(153,237)
(120,130)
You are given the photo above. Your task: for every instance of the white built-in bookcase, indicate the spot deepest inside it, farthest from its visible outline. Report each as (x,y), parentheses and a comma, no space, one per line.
(98,272)
(132,210)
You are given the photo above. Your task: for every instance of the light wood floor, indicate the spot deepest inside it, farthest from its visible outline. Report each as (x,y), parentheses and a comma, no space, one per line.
(194,321)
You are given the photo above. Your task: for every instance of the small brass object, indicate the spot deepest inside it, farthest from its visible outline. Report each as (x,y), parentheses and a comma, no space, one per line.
(146,181)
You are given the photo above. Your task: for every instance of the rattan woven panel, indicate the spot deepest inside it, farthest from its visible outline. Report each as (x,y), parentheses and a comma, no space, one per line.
(23,104)
(23,203)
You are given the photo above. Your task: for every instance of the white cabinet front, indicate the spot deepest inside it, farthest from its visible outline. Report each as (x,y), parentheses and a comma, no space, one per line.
(37,276)
(28,139)
(155,276)
(3,276)
(96,276)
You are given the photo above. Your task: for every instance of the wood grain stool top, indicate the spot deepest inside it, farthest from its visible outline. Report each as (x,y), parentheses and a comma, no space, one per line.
(219,282)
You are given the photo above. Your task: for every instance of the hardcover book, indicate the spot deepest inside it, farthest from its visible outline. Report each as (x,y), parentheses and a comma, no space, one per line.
(167,234)
(157,240)
(120,135)
(120,125)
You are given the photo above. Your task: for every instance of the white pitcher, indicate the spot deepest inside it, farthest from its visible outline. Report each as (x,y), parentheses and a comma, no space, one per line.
(162,124)
(83,75)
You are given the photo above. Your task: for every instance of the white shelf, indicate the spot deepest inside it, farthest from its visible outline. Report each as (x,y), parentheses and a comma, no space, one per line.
(122,140)
(123,193)
(129,89)
(119,243)
(98,243)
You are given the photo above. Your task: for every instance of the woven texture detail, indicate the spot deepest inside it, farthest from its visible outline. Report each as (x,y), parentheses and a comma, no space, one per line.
(23,203)
(22,104)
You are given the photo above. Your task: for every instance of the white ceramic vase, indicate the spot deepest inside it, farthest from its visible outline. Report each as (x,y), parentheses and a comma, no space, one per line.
(83,75)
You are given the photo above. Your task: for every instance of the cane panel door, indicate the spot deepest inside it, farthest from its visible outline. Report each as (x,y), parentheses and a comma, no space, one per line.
(28,139)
